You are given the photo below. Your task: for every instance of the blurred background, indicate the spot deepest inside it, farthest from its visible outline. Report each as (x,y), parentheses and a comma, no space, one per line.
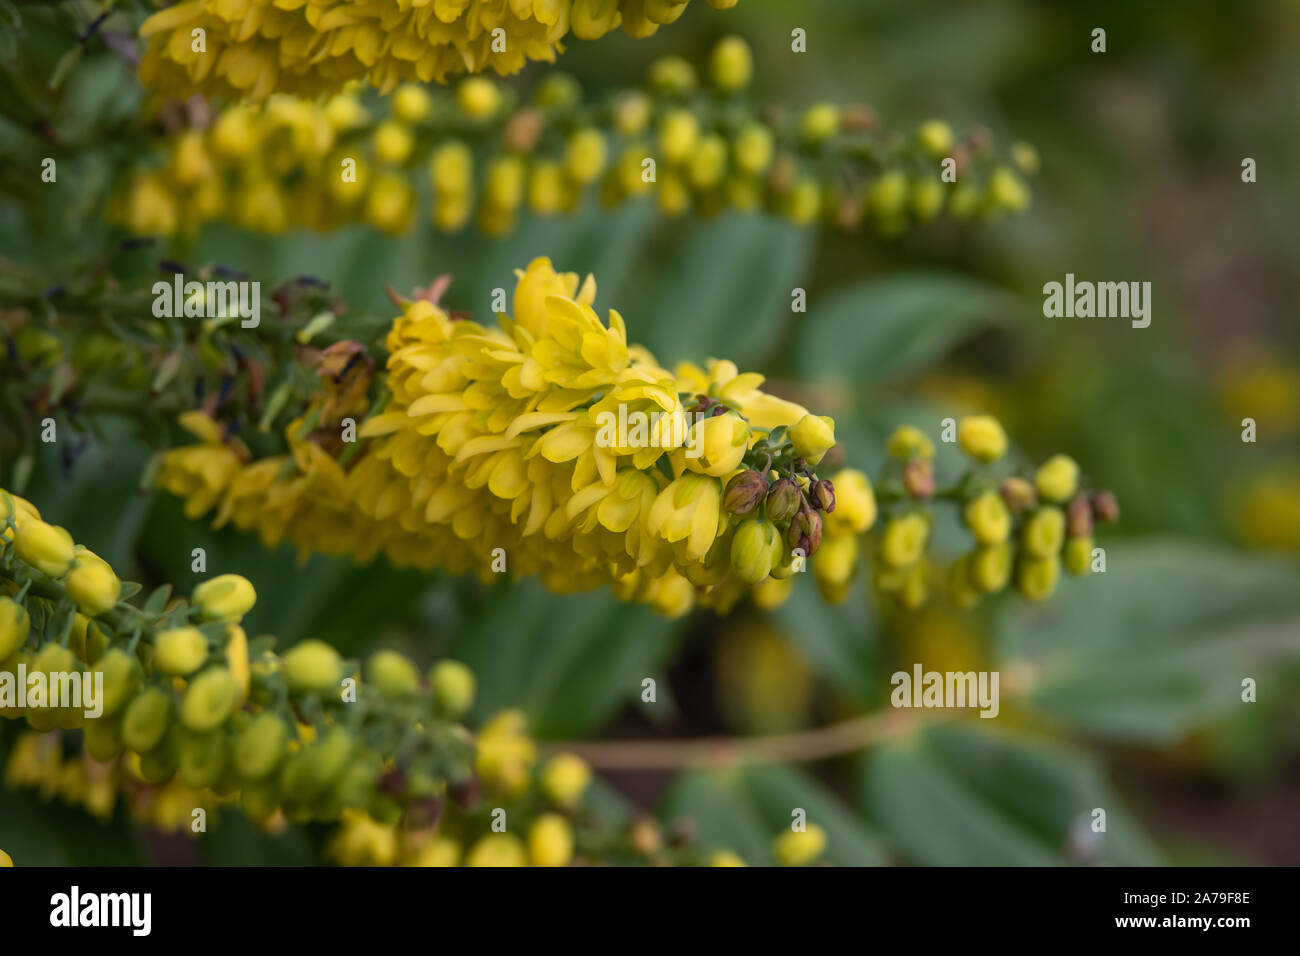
(1122,692)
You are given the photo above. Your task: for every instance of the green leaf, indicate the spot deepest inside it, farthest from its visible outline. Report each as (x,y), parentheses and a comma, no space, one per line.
(1157,645)
(952,795)
(891,327)
(570,661)
(36,833)
(745,808)
(724,291)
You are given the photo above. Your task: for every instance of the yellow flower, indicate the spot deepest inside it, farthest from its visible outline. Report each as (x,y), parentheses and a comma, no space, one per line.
(362,841)
(46,547)
(412,103)
(550,841)
(1078,555)
(93,586)
(813,436)
(438,851)
(564,778)
(907,442)
(731,64)
(820,122)
(855,503)
(227,597)
(497,849)
(1057,478)
(180,651)
(903,540)
(679,131)
(478,98)
(505,752)
(15,624)
(988,518)
(935,137)
(799,847)
(982,437)
(1036,577)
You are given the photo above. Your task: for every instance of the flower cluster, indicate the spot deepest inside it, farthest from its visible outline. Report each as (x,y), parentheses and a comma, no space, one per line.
(548,445)
(473,155)
(254,48)
(188,699)
(1024,526)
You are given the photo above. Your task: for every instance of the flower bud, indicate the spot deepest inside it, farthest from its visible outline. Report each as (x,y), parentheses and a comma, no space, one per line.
(497,850)
(731,64)
(907,442)
(678,133)
(752,149)
(478,98)
(855,502)
(918,478)
(261,746)
(990,567)
(1078,555)
(453,688)
(121,679)
(209,700)
(813,436)
(726,857)
(904,540)
(585,155)
(393,674)
(794,848)
(564,778)
(820,122)
(744,492)
(982,437)
(988,518)
(805,532)
(1036,577)
(180,651)
(935,137)
(94,587)
(227,597)
(1057,478)
(312,667)
(550,841)
(201,759)
(822,495)
(1078,517)
(1018,494)
(837,559)
(103,738)
(754,549)
(720,441)
(1105,506)
(412,102)
(772,592)
(15,624)
(1044,532)
(783,500)
(46,547)
(146,720)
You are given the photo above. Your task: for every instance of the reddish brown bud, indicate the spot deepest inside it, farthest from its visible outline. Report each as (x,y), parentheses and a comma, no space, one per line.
(1105,506)
(805,532)
(744,492)
(823,495)
(918,478)
(1019,494)
(1078,517)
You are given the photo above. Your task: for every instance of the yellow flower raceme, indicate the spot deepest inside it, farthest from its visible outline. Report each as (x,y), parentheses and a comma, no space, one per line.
(545,445)
(252,48)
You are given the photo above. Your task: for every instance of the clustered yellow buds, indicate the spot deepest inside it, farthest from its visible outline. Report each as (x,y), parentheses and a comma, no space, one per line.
(292,161)
(1023,529)
(185,719)
(501,449)
(254,49)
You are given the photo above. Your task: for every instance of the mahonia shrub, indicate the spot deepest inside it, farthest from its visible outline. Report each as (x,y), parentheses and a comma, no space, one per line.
(253,48)
(473,155)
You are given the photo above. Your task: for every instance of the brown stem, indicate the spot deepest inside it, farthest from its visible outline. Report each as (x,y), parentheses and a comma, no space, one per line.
(802,746)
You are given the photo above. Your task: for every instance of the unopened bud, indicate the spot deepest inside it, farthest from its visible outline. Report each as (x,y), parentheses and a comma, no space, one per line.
(805,532)
(744,492)
(1105,506)
(823,495)
(1019,494)
(918,478)
(783,500)
(1078,518)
